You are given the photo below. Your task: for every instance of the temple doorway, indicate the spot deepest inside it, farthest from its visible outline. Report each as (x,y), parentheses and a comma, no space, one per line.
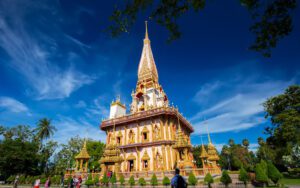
(131,163)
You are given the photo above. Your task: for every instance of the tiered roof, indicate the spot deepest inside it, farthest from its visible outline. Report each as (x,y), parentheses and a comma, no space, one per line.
(83,154)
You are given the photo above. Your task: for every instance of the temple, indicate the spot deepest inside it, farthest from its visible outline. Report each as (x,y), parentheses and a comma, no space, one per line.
(153,137)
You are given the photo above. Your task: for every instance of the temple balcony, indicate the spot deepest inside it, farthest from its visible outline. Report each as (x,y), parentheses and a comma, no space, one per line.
(148,114)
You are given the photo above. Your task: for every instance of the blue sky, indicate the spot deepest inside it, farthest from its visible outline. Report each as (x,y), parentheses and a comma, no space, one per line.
(56,61)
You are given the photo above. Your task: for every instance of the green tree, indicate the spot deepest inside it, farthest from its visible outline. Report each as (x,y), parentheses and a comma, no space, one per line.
(260,174)
(243,176)
(166,181)
(89,181)
(131,181)
(245,143)
(231,142)
(272,19)
(96,180)
(192,179)
(153,180)
(142,181)
(113,179)
(196,154)
(225,178)
(105,179)
(273,173)
(292,160)
(122,179)
(44,129)
(284,132)
(208,179)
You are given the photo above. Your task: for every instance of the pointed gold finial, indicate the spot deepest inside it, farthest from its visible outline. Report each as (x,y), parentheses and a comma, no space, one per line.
(209,140)
(146,34)
(146,40)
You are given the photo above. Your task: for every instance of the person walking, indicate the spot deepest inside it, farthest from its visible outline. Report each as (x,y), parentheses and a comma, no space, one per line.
(178,181)
(48,183)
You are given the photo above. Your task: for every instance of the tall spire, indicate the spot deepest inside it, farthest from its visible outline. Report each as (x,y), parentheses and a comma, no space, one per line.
(208,136)
(147,68)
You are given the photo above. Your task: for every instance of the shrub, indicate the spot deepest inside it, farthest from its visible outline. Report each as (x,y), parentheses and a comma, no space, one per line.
(88,183)
(153,180)
(105,179)
(260,174)
(273,173)
(142,182)
(11,179)
(208,179)
(166,181)
(131,181)
(264,166)
(122,179)
(113,179)
(96,180)
(243,176)
(192,179)
(225,178)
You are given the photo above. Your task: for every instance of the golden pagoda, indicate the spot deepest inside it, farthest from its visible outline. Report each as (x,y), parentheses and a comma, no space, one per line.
(153,137)
(82,159)
(210,158)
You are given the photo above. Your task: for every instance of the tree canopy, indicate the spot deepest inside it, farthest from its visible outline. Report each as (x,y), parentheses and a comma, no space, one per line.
(272,20)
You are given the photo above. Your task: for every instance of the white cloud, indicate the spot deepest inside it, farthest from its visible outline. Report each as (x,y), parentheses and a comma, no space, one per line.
(80,104)
(68,127)
(239,105)
(32,55)
(12,105)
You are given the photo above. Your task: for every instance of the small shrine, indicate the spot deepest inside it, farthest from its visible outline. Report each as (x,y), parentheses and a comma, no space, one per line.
(209,158)
(82,159)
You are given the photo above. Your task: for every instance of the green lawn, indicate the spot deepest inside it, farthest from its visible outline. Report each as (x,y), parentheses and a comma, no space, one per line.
(290,181)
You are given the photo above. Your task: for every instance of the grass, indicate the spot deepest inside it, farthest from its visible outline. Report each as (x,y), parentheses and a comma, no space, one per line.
(290,181)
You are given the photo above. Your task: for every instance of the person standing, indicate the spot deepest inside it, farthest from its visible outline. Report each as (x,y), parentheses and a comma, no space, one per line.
(37,183)
(16,181)
(178,181)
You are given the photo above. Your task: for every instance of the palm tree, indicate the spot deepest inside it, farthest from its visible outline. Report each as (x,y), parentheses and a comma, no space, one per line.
(231,142)
(245,143)
(44,129)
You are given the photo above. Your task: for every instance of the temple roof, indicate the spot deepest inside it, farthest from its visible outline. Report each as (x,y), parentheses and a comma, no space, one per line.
(83,154)
(147,68)
(203,152)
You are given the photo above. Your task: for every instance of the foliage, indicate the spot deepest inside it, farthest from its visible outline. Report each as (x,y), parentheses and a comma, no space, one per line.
(142,182)
(113,179)
(105,179)
(122,179)
(166,181)
(192,179)
(243,176)
(225,178)
(273,173)
(196,154)
(131,181)
(234,156)
(260,174)
(44,129)
(292,160)
(208,179)
(96,179)
(65,158)
(272,20)
(284,112)
(89,181)
(153,180)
